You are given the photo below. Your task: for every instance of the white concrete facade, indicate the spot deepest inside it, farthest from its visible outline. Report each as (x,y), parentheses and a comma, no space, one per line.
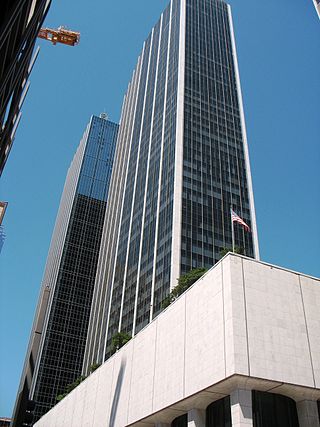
(241,408)
(243,326)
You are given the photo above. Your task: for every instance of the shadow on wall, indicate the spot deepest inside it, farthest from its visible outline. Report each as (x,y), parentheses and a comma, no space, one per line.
(117,393)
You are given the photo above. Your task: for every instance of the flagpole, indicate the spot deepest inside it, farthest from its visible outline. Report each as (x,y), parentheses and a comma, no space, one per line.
(232,228)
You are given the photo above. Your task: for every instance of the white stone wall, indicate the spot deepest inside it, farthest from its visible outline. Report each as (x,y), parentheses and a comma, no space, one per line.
(243,317)
(277,330)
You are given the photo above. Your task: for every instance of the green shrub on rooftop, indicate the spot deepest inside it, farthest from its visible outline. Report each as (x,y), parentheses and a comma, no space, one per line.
(119,340)
(184,282)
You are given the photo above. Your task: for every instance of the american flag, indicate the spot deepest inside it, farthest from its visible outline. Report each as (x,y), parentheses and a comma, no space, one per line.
(236,218)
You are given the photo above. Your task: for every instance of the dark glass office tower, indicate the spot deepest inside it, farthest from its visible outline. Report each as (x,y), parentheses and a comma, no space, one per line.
(64,306)
(20,22)
(184,161)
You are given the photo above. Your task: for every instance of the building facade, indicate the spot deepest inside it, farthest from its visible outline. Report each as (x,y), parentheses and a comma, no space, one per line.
(55,354)
(317,6)
(3,207)
(240,348)
(182,162)
(5,422)
(20,22)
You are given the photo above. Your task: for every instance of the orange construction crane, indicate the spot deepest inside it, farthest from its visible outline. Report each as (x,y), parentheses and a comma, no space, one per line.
(61,35)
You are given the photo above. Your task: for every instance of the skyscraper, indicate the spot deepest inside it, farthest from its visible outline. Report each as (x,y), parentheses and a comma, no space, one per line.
(3,207)
(20,22)
(317,6)
(55,354)
(181,163)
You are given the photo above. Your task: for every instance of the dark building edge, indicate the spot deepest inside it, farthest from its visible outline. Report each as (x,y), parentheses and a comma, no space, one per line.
(17,41)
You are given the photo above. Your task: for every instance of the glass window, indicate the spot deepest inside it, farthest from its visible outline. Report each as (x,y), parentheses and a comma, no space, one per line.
(181,421)
(218,414)
(273,410)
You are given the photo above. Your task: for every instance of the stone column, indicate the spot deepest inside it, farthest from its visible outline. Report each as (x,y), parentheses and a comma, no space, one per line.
(197,418)
(241,408)
(308,413)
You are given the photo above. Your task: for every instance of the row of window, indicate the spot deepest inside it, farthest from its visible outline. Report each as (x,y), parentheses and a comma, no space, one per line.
(268,410)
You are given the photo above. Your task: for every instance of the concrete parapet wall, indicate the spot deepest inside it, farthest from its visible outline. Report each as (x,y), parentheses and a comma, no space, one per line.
(244,324)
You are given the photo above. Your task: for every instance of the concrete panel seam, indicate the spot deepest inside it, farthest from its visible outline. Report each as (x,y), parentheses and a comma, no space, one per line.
(224,324)
(130,380)
(275,387)
(245,314)
(307,332)
(154,364)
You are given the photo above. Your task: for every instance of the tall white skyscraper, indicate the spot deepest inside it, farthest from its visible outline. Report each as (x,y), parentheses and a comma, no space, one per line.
(181,163)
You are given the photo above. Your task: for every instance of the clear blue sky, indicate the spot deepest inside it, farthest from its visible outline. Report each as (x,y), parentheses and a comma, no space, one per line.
(279,56)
